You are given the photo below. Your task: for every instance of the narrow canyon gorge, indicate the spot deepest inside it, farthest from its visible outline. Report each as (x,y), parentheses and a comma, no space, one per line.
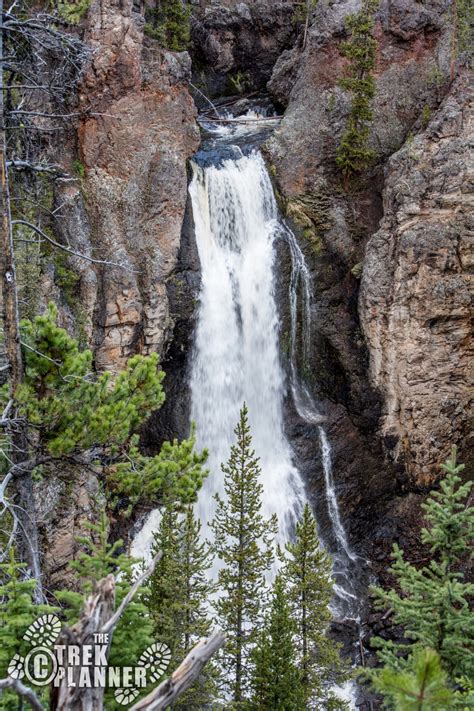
(206,182)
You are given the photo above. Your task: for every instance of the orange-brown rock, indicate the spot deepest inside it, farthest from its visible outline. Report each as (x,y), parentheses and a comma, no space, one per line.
(139,132)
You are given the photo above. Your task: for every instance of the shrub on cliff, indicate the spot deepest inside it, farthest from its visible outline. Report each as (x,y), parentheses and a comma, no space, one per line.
(432,605)
(353,153)
(169,23)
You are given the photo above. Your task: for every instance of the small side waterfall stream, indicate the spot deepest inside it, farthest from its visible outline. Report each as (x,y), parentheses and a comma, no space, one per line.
(346,562)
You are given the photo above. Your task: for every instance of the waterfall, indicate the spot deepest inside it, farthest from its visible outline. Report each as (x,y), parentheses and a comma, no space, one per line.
(236,356)
(338,528)
(346,562)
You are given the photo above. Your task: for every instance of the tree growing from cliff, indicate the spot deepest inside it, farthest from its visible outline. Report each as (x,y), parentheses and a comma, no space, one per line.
(432,603)
(276,676)
(353,153)
(169,23)
(244,545)
(463,37)
(179,596)
(302,16)
(307,571)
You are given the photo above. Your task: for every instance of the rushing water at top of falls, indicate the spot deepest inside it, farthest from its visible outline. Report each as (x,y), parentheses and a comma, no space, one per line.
(236,357)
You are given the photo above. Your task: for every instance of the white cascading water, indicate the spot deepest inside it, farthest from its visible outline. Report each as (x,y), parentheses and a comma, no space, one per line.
(236,356)
(345,562)
(346,602)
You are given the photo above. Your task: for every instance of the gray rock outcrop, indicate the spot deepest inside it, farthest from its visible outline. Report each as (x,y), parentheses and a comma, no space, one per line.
(417,289)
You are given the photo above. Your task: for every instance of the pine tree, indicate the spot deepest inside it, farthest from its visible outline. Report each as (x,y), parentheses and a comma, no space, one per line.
(276,678)
(432,603)
(244,544)
(307,571)
(422,686)
(71,412)
(179,595)
(165,600)
(353,153)
(99,558)
(18,610)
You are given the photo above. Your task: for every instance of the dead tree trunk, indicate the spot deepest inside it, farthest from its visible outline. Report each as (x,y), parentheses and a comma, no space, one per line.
(96,626)
(97,612)
(25,505)
(11,320)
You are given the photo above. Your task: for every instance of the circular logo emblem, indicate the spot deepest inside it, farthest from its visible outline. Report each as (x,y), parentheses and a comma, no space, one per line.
(41,666)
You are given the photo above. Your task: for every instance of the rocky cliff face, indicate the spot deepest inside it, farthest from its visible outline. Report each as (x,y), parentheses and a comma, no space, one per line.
(416,292)
(412,71)
(129,205)
(412,74)
(236,44)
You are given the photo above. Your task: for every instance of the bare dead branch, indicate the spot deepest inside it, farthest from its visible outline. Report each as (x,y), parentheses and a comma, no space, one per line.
(31,87)
(49,239)
(36,167)
(7,409)
(23,691)
(189,670)
(41,114)
(43,355)
(111,624)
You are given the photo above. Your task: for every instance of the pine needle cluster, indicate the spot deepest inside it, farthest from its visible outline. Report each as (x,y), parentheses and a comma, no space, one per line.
(169,23)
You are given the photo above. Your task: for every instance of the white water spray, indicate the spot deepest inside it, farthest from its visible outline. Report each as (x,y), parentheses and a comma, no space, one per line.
(333,507)
(236,357)
(346,602)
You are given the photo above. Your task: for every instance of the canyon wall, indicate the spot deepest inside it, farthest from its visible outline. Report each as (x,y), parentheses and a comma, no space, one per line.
(125,206)
(128,203)
(393,376)
(416,292)
(389,256)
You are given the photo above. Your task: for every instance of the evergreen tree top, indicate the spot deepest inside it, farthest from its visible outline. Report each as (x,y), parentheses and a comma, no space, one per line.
(433,602)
